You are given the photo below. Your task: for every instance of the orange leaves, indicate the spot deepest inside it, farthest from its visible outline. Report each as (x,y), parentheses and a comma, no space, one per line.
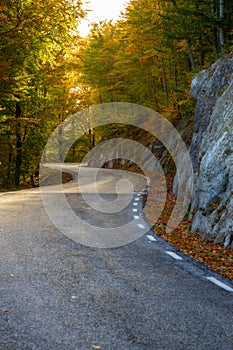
(212,255)
(132,49)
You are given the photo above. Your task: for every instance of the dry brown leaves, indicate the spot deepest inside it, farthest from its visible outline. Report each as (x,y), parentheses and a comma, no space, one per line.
(215,256)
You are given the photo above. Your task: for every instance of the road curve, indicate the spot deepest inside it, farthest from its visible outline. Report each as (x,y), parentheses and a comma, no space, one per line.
(56,293)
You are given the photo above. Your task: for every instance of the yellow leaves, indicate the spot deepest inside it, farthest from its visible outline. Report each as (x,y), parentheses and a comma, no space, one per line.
(3,8)
(132,49)
(146,59)
(182,45)
(3,18)
(96,347)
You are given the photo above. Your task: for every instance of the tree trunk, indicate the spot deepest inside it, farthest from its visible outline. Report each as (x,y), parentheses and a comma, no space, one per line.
(221,31)
(175,76)
(190,52)
(153,88)
(201,58)
(10,155)
(214,29)
(32,180)
(187,38)
(60,143)
(18,160)
(92,138)
(165,87)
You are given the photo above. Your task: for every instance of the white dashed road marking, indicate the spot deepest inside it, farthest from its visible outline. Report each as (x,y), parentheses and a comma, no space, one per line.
(151,238)
(220,284)
(141,226)
(174,255)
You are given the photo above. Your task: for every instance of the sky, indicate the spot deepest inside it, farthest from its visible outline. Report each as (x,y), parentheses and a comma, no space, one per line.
(101,10)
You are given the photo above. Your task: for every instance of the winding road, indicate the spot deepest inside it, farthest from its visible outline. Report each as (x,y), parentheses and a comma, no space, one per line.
(59,294)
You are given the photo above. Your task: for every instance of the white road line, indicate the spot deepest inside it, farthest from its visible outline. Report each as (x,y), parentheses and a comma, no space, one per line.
(136,217)
(151,238)
(135,204)
(174,255)
(135,210)
(141,226)
(137,199)
(220,284)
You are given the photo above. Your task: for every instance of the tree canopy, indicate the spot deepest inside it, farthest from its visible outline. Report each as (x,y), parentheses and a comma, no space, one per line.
(35,41)
(48,71)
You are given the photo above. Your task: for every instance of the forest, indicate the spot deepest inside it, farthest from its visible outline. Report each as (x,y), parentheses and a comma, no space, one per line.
(48,71)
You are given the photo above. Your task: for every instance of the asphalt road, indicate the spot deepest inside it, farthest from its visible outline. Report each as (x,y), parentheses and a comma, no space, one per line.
(57,294)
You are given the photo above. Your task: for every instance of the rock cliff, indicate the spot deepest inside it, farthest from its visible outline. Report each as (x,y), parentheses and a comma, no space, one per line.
(212,152)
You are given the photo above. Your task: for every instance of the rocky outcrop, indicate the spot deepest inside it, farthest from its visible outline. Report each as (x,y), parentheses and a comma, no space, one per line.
(212,152)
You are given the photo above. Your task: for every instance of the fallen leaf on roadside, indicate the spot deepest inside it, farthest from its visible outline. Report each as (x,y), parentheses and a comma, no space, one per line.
(213,255)
(5,310)
(96,347)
